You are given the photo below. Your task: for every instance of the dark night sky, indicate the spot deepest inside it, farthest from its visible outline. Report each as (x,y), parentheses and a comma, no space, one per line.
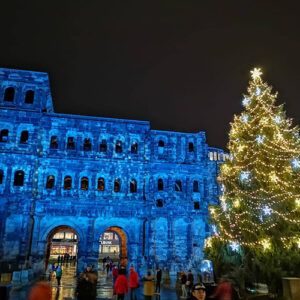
(183,65)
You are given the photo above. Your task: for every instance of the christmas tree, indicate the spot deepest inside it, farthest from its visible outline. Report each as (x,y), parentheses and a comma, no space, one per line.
(259,207)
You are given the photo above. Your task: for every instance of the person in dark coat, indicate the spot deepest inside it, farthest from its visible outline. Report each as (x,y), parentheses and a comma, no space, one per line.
(190,282)
(87,285)
(158,280)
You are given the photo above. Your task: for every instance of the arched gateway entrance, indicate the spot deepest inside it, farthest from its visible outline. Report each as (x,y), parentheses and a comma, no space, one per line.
(113,243)
(61,241)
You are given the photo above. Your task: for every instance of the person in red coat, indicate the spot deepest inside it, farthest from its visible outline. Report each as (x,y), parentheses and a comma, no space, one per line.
(41,290)
(121,285)
(224,290)
(133,283)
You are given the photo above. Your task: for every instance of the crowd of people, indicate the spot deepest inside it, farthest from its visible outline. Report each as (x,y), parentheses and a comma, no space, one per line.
(86,288)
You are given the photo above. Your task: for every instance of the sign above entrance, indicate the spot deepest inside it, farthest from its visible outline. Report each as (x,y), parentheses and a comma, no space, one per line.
(106,242)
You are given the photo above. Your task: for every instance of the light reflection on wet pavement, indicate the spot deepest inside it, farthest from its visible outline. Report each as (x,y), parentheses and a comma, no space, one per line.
(66,291)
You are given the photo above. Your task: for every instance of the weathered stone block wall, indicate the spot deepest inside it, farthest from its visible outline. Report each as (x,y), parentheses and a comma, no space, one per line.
(163,218)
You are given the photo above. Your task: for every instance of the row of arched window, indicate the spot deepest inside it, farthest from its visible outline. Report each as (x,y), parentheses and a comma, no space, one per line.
(23,137)
(84,184)
(9,95)
(87,145)
(161,147)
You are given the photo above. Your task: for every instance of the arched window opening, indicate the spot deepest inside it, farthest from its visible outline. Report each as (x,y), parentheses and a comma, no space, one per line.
(117,186)
(161,146)
(9,94)
(191,147)
(195,187)
(160,184)
(87,146)
(178,186)
(29,96)
(24,137)
(219,156)
(67,183)
(71,143)
(84,183)
(4,135)
(53,142)
(215,155)
(103,146)
(134,148)
(159,203)
(101,184)
(133,186)
(19,178)
(50,182)
(1,176)
(196,205)
(119,147)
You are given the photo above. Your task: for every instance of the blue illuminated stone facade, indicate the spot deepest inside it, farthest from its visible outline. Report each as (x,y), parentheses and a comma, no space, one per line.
(90,173)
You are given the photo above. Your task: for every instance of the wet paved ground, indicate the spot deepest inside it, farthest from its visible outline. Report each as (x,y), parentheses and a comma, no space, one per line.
(66,291)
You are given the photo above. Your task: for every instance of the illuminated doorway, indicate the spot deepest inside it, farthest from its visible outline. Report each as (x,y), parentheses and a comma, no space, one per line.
(62,244)
(113,243)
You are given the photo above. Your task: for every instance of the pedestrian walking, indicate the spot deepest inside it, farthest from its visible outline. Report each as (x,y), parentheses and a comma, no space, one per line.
(41,290)
(190,282)
(183,285)
(115,274)
(158,280)
(58,272)
(198,292)
(224,290)
(107,269)
(48,272)
(133,283)
(121,285)
(87,285)
(148,285)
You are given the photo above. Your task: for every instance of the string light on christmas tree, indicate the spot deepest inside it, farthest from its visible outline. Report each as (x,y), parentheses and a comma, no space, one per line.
(267,210)
(246,101)
(297,201)
(259,139)
(234,246)
(266,244)
(298,243)
(236,203)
